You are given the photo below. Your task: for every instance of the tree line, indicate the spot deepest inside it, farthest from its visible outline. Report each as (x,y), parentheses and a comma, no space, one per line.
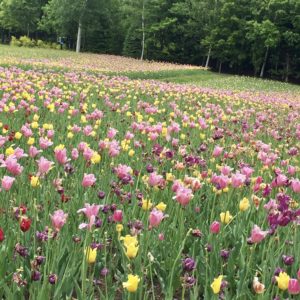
(253,37)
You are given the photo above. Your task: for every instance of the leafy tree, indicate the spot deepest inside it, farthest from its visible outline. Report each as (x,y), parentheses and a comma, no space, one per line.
(257,36)
(20,15)
(263,37)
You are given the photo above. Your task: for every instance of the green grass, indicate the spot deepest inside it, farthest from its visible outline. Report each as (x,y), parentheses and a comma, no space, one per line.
(211,79)
(36,53)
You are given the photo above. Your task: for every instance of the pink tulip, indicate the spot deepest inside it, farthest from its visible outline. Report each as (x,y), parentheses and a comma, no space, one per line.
(12,165)
(33,151)
(114,149)
(27,132)
(226,170)
(87,130)
(217,151)
(102,145)
(76,128)
(50,134)
(111,133)
(184,195)
(175,142)
(202,123)
(237,180)
(220,181)
(155,179)
(44,165)
(3,140)
(88,180)
(257,235)
(176,185)
(282,180)
(122,171)
(118,215)
(258,181)
(58,219)
(61,156)
(291,170)
(295,184)
(129,135)
(81,146)
(161,236)
(196,185)
(215,227)
(7,182)
(45,143)
(153,136)
(294,286)
(74,154)
(19,153)
(271,205)
(88,153)
(247,171)
(155,217)
(90,211)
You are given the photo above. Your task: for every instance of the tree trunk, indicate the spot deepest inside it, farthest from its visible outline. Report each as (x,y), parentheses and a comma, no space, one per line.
(287,70)
(208,57)
(143,31)
(78,43)
(262,71)
(220,67)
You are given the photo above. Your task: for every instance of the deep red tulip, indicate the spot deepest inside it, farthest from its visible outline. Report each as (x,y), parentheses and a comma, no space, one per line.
(25,224)
(1,235)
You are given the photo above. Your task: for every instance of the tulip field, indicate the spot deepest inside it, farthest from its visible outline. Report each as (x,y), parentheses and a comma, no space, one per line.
(119,188)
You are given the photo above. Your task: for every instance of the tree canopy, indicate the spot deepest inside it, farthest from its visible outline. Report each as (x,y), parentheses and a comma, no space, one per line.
(255,37)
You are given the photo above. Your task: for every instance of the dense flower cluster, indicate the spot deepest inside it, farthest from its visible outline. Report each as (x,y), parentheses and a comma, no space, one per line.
(111,186)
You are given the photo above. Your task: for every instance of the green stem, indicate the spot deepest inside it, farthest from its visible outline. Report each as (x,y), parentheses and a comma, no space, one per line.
(170,289)
(84,267)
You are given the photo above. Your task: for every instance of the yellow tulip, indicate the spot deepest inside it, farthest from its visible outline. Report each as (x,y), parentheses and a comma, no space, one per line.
(59,147)
(34,125)
(91,255)
(283,280)
(147,204)
(30,141)
(119,227)
(131,152)
(34,181)
(225,217)
(18,135)
(170,177)
(244,204)
(35,117)
(132,283)
(70,135)
(216,284)
(96,158)
(161,206)
(9,151)
(131,251)
(129,240)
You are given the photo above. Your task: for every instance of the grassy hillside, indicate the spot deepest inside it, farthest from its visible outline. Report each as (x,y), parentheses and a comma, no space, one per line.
(135,69)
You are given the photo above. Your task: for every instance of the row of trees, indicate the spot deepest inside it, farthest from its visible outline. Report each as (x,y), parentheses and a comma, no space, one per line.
(259,37)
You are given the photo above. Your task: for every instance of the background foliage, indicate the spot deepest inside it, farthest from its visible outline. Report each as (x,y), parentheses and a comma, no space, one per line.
(253,37)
